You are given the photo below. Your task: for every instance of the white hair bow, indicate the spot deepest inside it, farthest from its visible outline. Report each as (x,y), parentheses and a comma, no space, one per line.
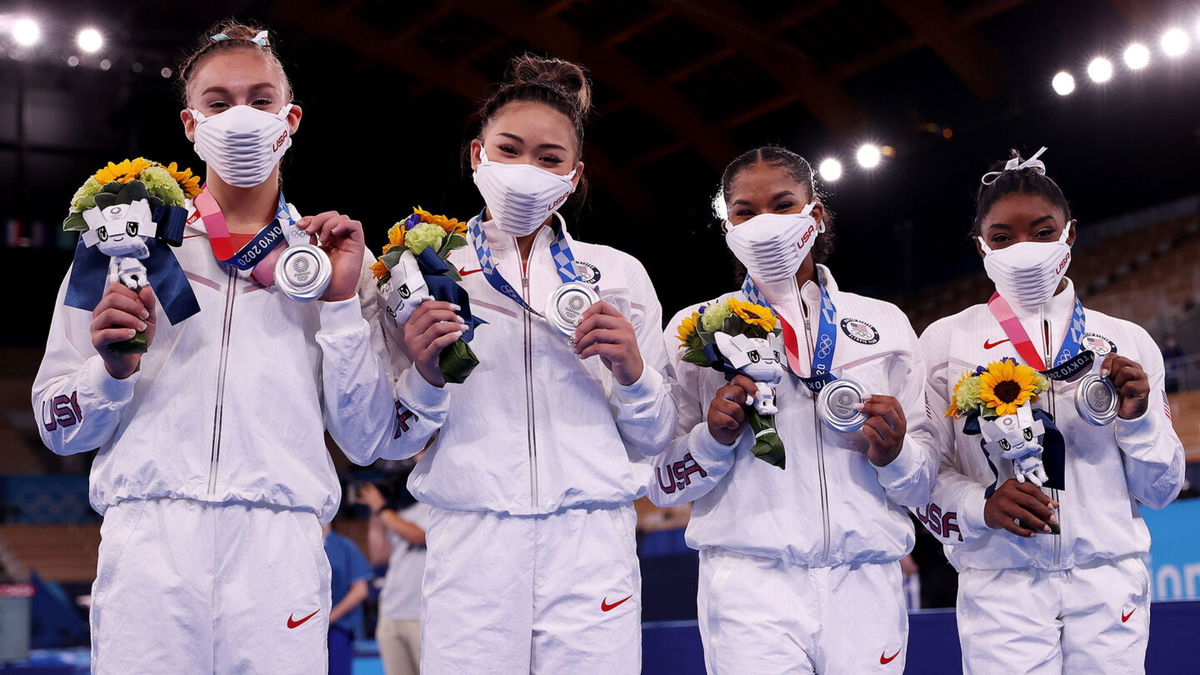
(1015,164)
(261,39)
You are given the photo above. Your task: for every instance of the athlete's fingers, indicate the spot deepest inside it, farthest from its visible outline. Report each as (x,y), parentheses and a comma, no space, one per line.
(108,336)
(1035,492)
(601,307)
(115,318)
(1029,503)
(598,335)
(127,303)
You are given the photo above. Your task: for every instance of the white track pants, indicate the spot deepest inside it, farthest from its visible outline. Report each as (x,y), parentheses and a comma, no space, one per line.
(759,615)
(189,587)
(558,593)
(1093,619)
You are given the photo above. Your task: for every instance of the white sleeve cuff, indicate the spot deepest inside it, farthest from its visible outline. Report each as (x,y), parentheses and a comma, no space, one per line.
(708,451)
(1137,431)
(341,316)
(106,386)
(421,396)
(901,469)
(970,516)
(645,388)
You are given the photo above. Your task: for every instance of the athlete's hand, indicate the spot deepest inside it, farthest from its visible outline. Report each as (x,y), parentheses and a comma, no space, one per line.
(727,412)
(884,428)
(433,326)
(342,239)
(606,333)
(118,316)
(1131,382)
(370,496)
(1020,508)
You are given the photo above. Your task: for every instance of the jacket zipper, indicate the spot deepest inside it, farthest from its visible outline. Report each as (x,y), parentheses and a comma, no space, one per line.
(218,407)
(530,418)
(817,434)
(1053,410)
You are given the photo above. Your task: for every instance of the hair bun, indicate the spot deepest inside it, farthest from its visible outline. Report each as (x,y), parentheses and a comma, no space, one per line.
(565,75)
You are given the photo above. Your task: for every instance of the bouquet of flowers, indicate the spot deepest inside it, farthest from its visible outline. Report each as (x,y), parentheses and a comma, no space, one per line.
(732,336)
(412,268)
(129,213)
(997,401)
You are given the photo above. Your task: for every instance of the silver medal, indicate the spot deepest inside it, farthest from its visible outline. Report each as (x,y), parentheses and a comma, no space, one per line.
(1097,400)
(567,305)
(835,405)
(303,271)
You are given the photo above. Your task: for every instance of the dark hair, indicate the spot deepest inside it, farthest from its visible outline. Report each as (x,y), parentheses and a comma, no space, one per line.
(1027,181)
(799,169)
(560,84)
(239,36)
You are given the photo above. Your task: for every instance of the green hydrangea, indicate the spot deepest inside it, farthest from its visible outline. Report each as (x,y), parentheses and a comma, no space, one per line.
(714,316)
(966,396)
(85,196)
(160,184)
(423,236)
(1043,384)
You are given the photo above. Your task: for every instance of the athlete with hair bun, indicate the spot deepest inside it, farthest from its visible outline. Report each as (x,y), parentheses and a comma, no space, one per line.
(531,563)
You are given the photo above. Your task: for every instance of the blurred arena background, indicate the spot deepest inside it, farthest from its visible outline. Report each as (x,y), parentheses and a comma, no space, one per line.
(901,103)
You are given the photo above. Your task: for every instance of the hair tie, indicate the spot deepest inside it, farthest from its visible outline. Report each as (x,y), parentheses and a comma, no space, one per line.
(262,40)
(1015,164)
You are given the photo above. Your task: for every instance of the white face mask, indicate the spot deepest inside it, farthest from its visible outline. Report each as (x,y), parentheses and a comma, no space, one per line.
(772,246)
(243,144)
(520,197)
(1027,273)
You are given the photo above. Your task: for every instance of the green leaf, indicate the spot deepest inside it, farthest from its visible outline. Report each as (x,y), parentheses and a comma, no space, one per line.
(767,445)
(75,223)
(457,361)
(452,272)
(135,345)
(454,241)
(696,357)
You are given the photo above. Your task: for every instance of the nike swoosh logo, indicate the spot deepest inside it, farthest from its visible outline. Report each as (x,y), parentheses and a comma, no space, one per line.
(292,623)
(1125,617)
(884,660)
(462,271)
(605,607)
(988,344)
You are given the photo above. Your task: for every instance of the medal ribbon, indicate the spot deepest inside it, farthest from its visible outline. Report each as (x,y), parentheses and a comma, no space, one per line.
(822,360)
(1070,358)
(260,245)
(560,251)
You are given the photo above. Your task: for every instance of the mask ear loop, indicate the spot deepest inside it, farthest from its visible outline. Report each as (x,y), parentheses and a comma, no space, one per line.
(1062,239)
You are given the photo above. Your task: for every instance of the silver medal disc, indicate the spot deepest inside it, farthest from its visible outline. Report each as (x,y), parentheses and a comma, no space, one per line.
(567,305)
(1097,400)
(835,405)
(303,272)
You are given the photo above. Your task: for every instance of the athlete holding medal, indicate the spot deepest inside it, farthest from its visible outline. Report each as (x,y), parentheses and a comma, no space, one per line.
(213,475)
(1031,600)
(531,562)
(799,567)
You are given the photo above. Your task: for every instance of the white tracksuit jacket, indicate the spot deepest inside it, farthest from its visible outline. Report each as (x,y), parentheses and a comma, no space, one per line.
(1109,469)
(230,405)
(534,429)
(831,506)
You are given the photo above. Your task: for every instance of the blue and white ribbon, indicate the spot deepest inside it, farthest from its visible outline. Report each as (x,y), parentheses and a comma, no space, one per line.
(560,251)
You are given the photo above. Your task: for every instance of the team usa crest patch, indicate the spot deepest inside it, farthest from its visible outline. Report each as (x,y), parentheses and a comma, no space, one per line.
(1098,344)
(588,273)
(860,331)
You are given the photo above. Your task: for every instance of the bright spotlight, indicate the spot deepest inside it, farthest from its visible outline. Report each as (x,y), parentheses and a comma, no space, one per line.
(1063,83)
(1100,70)
(89,40)
(868,156)
(1174,42)
(830,170)
(1137,56)
(26,32)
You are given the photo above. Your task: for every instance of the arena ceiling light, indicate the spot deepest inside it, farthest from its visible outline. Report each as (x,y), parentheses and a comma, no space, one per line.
(89,40)
(868,155)
(830,170)
(1100,70)
(1174,42)
(26,32)
(1063,83)
(1137,56)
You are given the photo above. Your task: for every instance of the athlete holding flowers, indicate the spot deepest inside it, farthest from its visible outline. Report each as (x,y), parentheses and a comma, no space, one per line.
(1052,577)
(213,475)
(531,561)
(799,566)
